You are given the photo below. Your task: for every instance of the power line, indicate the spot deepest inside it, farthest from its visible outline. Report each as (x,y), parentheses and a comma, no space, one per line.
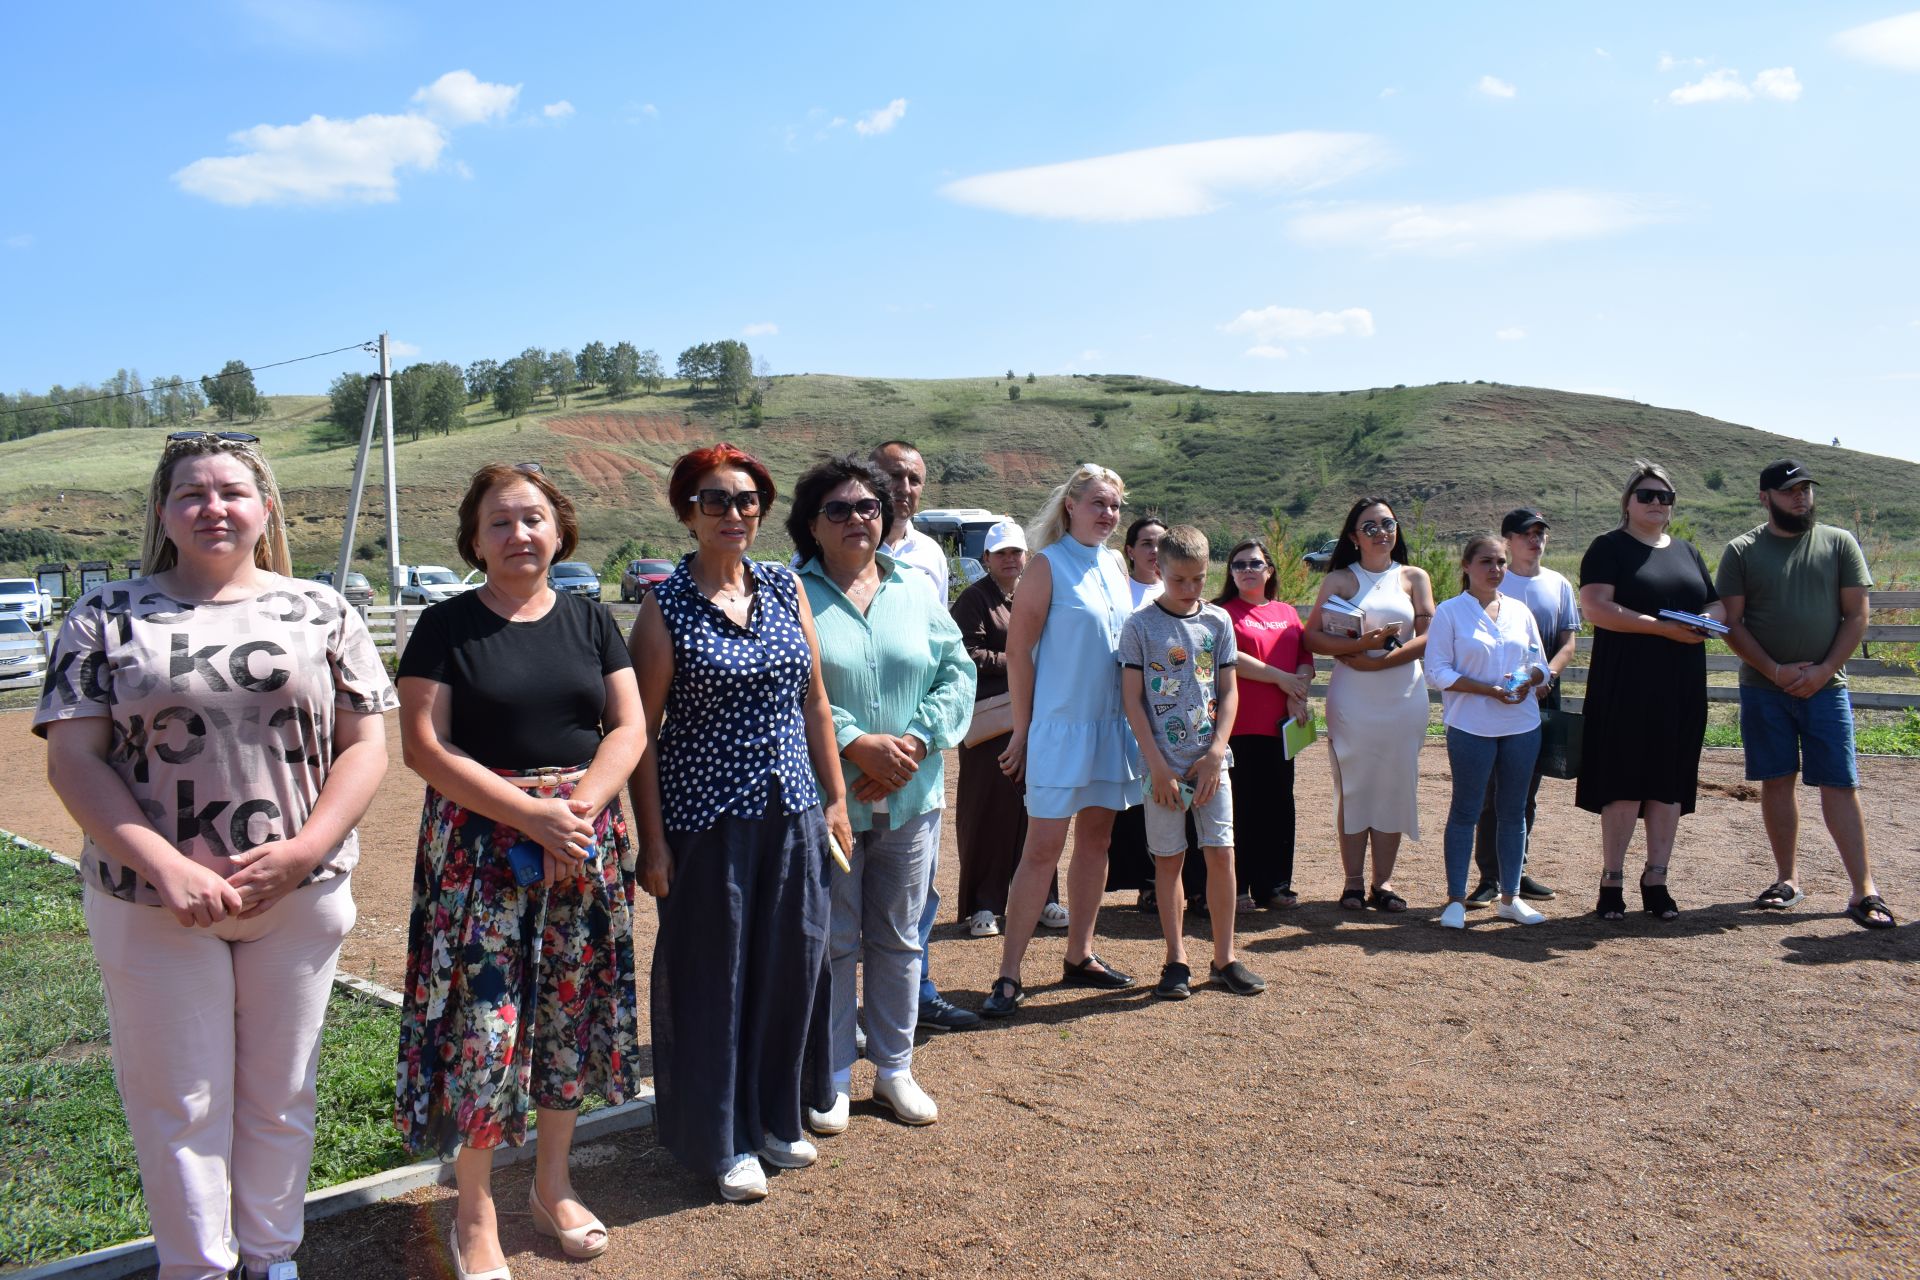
(369,347)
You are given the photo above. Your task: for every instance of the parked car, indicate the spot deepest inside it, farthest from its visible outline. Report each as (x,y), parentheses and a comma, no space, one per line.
(358,591)
(22,657)
(428,584)
(642,576)
(1318,559)
(575,577)
(962,530)
(35,605)
(475,579)
(971,570)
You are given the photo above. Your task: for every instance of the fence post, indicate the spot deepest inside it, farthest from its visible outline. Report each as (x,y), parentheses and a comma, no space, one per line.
(399,631)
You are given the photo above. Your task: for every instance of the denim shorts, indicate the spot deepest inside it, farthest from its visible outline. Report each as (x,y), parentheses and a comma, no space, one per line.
(1780,731)
(1212,823)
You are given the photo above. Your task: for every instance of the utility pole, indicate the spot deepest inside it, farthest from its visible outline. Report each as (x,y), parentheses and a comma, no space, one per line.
(379,403)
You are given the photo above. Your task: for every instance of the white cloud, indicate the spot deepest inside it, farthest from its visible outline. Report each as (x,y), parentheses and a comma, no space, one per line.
(460,97)
(1601,53)
(1890,42)
(1512,333)
(1670,63)
(1277,324)
(1266,352)
(1494,87)
(1176,181)
(760,329)
(25,241)
(1716,86)
(1389,92)
(882,120)
(1779,83)
(395,347)
(1537,217)
(322,159)
(309,25)
(557,110)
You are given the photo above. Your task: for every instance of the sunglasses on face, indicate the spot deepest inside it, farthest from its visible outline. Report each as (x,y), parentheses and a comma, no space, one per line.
(837,511)
(1248,566)
(231,437)
(717,502)
(1653,497)
(1374,528)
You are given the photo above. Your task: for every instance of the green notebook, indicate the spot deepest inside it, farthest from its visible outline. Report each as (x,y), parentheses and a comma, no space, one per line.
(1297,737)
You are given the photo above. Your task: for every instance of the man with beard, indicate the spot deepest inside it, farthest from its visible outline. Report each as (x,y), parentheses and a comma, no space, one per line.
(1796,599)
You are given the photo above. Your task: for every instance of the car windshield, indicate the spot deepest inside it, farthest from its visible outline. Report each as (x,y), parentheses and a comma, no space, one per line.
(572,570)
(358,580)
(14,625)
(21,587)
(437,577)
(655,566)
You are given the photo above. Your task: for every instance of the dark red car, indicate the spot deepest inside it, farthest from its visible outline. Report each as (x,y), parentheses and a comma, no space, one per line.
(642,576)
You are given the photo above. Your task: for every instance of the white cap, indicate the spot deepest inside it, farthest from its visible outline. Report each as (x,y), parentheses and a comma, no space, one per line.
(1005,534)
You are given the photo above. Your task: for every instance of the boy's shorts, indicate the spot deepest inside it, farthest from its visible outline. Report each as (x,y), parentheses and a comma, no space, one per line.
(1777,730)
(1212,823)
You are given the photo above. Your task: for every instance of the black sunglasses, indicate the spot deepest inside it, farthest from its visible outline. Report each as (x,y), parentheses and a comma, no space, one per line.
(837,511)
(1652,497)
(232,437)
(717,502)
(1248,566)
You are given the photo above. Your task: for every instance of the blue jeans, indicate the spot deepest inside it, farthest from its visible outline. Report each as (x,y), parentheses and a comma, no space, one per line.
(927,990)
(1508,762)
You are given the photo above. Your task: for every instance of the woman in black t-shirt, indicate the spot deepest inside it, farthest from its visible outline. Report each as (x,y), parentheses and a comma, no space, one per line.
(1646,701)
(519,708)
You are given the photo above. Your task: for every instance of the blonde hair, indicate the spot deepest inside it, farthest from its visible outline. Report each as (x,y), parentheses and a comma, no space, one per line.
(157,552)
(1643,470)
(1050,525)
(1185,544)
(1475,545)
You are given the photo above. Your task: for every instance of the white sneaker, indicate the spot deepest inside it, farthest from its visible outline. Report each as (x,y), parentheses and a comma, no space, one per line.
(744,1179)
(907,1100)
(1053,916)
(831,1121)
(1455,916)
(983,924)
(788,1155)
(1519,912)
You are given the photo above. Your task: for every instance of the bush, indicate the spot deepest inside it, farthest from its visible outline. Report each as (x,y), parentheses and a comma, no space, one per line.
(1099,418)
(36,544)
(1013,392)
(1716,478)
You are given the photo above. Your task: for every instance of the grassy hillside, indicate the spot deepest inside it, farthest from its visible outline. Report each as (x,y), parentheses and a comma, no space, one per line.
(1467,451)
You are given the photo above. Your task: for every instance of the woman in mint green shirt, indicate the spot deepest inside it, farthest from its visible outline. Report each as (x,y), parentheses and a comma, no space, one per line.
(901,686)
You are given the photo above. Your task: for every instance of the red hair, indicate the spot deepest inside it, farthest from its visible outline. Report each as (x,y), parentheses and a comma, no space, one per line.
(690,467)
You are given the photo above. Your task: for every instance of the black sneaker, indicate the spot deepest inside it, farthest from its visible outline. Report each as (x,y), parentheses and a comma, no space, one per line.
(1531,888)
(1484,894)
(1175,982)
(1006,996)
(1238,979)
(941,1014)
(1105,978)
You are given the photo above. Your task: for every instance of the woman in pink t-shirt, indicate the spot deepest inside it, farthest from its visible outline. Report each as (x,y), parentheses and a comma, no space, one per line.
(1275,670)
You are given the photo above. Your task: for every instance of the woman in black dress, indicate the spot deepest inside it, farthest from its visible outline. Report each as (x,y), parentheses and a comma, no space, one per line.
(1646,703)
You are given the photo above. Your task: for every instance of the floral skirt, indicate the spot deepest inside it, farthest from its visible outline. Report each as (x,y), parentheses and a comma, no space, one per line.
(513,995)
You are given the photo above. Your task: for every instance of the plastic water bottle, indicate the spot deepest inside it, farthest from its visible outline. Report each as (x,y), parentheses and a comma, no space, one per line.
(1521,676)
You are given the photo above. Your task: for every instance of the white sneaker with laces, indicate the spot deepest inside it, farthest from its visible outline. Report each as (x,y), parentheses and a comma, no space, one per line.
(906,1099)
(1519,912)
(1454,916)
(831,1121)
(788,1155)
(744,1179)
(1053,916)
(983,924)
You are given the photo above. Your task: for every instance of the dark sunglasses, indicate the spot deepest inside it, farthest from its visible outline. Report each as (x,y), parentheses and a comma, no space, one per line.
(837,511)
(1248,566)
(232,437)
(527,468)
(1374,527)
(717,502)
(1653,497)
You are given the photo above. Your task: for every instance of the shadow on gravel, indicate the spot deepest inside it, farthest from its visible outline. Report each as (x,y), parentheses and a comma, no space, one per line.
(1900,943)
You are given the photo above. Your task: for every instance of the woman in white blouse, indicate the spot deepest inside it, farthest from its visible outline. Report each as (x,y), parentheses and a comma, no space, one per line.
(1484,655)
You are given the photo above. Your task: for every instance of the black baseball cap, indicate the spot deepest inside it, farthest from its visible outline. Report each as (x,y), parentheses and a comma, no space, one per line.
(1522,518)
(1784,474)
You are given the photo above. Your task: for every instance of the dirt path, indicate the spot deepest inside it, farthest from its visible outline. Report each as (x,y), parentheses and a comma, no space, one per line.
(1737,1093)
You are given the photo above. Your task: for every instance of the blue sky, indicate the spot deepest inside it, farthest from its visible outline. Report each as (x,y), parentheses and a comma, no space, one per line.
(1700,206)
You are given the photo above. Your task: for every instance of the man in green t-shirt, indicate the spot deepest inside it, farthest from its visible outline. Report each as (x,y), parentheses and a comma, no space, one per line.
(1795,593)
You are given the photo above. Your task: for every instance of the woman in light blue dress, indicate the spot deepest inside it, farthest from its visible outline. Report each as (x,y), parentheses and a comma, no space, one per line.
(1070,737)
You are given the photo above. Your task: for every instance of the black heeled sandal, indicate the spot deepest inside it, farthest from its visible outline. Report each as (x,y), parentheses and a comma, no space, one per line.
(1613,900)
(1654,898)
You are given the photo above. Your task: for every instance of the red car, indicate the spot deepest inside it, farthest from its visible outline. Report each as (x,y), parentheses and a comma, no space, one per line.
(642,576)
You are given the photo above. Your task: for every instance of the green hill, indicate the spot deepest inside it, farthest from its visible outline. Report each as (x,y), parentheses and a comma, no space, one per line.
(1466,451)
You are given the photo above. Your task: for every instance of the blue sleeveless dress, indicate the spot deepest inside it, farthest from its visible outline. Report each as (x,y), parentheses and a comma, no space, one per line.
(1080,749)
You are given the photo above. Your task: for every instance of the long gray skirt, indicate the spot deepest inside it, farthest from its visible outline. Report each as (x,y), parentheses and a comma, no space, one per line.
(741,990)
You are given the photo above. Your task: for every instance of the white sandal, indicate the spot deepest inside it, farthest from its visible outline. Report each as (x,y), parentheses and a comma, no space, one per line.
(460,1271)
(573,1240)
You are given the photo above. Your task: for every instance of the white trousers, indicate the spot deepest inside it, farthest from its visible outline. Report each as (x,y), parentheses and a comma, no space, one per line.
(216,1041)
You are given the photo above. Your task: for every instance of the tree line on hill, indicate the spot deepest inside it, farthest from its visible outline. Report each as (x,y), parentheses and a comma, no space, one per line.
(126,401)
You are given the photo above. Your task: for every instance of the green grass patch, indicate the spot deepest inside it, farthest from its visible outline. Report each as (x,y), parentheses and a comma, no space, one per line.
(68,1177)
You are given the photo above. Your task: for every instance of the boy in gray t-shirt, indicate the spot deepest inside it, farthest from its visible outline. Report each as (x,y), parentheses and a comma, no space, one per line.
(1177,683)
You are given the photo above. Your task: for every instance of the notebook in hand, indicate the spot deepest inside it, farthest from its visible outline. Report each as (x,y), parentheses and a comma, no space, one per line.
(1698,622)
(1296,737)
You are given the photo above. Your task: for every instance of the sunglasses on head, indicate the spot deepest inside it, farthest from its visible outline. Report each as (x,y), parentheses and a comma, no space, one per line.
(231,437)
(527,468)
(837,511)
(1652,497)
(1374,528)
(717,502)
(1247,566)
